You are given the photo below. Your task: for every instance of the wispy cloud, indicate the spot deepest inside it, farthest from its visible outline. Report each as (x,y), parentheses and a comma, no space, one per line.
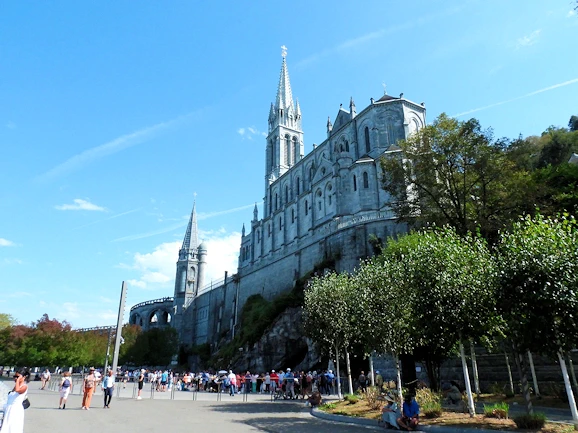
(184,222)
(250,132)
(376,34)
(571,13)
(206,215)
(527,95)
(80,204)
(116,145)
(109,218)
(528,40)
(6,243)
(10,125)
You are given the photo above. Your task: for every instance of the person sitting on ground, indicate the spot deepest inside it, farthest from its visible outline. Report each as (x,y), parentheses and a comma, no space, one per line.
(390,413)
(410,415)
(453,393)
(315,399)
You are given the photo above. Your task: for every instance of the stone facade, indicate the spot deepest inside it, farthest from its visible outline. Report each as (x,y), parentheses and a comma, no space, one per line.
(326,205)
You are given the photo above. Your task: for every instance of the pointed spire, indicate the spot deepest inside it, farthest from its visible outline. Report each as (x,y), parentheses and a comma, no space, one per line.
(352,109)
(284,96)
(298,109)
(243,230)
(255,213)
(191,241)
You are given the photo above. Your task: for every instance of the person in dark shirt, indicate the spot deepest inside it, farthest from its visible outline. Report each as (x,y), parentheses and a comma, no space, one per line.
(410,414)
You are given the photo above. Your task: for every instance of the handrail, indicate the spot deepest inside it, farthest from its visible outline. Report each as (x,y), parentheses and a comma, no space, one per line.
(154,301)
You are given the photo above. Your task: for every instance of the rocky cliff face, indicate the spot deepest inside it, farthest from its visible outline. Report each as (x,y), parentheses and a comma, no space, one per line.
(282,346)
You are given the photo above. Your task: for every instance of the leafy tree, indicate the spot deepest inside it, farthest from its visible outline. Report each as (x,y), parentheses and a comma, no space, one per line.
(385,308)
(556,189)
(573,123)
(538,287)
(454,173)
(329,312)
(6,320)
(559,144)
(154,347)
(450,280)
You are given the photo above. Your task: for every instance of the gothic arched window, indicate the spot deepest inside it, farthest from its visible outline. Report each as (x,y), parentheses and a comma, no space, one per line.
(276,201)
(296,152)
(365,180)
(354,183)
(346,146)
(306,207)
(367,143)
(292,216)
(286,193)
(297,186)
(288,150)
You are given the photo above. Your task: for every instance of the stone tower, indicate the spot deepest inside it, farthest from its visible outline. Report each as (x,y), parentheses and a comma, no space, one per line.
(285,137)
(190,271)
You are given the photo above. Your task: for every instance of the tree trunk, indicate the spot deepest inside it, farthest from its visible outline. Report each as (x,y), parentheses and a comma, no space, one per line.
(572,373)
(338,376)
(522,371)
(509,373)
(471,406)
(475,368)
(408,371)
(569,392)
(371,370)
(348,371)
(534,378)
(399,387)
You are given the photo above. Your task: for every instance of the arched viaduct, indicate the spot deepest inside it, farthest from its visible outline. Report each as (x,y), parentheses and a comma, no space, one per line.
(157,313)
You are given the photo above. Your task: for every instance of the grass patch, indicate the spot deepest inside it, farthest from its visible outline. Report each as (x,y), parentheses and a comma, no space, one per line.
(351,398)
(449,419)
(497,410)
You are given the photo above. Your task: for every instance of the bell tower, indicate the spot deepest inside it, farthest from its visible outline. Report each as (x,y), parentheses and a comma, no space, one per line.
(285,136)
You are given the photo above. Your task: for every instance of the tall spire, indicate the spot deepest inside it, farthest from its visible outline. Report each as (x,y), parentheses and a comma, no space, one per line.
(191,241)
(284,97)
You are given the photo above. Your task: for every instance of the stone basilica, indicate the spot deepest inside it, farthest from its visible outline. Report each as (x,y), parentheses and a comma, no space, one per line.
(325,205)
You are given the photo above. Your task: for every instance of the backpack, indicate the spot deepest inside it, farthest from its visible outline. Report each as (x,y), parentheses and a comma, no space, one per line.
(66,383)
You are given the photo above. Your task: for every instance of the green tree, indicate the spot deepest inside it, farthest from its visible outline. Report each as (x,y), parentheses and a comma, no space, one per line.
(573,123)
(451,282)
(154,347)
(454,173)
(385,308)
(6,320)
(559,144)
(330,313)
(538,287)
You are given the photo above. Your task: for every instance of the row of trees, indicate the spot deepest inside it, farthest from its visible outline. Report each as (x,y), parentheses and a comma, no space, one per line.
(433,291)
(487,275)
(48,342)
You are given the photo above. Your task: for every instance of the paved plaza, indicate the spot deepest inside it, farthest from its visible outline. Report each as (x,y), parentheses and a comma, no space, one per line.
(183,414)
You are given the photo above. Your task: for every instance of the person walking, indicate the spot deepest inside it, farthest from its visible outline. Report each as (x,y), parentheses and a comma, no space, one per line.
(14,412)
(108,388)
(65,388)
(232,383)
(290,384)
(89,386)
(140,383)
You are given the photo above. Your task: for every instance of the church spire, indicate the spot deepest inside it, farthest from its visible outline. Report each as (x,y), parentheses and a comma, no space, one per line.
(284,98)
(191,241)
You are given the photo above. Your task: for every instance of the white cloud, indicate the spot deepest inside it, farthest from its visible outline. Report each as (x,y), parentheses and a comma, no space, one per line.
(6,243)
(527,95)
(571,13)
(157,269)
(250,132)
(11,125)
(8,261)
(528,40)
(80,204)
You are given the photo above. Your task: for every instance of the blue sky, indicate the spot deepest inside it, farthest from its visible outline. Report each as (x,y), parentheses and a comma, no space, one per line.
(114,114)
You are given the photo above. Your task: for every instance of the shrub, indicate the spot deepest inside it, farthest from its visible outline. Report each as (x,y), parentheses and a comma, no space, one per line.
(497,410)
(328,406)
(351,398)
(371,395)
(430,402)
(530,422)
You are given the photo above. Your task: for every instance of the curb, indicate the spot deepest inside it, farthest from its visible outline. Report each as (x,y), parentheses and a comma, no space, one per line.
(368,423)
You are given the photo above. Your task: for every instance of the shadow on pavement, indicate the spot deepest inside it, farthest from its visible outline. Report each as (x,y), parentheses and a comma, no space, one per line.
(260,407)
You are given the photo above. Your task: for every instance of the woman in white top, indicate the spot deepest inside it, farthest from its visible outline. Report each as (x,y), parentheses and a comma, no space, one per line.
(14,411)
